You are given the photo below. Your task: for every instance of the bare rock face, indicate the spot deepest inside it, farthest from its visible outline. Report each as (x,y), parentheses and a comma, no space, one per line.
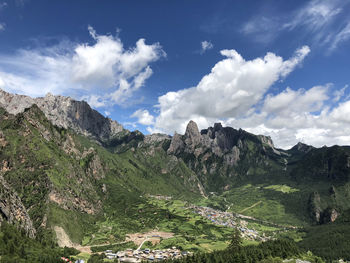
(333,215)
(14,103)
(65,112)
(266,139)
(219,141)
(12,209)
(302,147)
(314,207)
(232,158)
(330,215)
(176,145)
(193,137)
(155,138)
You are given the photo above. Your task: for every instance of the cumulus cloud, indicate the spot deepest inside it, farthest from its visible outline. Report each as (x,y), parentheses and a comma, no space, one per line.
(293,102)
(300,115)
(205,46)
(238,93)
(143,117)
(232,88)
(338,94)
(2,26)
(103,73)
(320,20)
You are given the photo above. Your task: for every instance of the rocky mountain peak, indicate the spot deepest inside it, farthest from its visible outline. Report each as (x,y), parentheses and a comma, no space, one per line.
(192,130)
(217,126)
(14,103)
(302,147)
(176,145)
(65,112)
(193,137)
(266,140)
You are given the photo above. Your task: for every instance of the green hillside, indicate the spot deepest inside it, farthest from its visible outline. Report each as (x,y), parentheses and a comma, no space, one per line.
(99,192)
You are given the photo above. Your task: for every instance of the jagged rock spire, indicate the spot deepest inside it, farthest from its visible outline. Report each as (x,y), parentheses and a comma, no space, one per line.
(192,133)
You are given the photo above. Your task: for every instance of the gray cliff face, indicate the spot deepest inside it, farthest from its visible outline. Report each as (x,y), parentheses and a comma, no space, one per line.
(65,112)
(218,140)
(13,103)
(213,144)
(12,209)
(192,135)
(302,147)
(177,145)
(156,138)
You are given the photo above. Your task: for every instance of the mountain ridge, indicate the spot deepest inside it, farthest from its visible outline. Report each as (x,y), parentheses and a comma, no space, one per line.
(77,115)
(82,179)
(65,112)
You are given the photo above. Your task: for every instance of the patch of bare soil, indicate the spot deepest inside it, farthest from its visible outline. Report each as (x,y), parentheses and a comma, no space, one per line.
(154,236)
(63,240)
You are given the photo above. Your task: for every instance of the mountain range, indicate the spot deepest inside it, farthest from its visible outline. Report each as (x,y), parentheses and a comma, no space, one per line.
(64,164)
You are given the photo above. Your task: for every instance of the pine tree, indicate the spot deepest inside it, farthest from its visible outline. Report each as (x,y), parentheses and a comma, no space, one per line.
(236,241)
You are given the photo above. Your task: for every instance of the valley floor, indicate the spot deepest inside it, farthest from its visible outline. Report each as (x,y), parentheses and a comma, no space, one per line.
(186,226)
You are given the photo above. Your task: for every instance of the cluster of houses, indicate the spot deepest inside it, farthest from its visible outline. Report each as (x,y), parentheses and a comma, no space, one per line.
(130,255)
(160,197)
(215,216)
(227,219)
(69,261)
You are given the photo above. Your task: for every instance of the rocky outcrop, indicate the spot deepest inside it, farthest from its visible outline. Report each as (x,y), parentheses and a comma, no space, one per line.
(302,147)
(192,135)
(224,142)
(65,112)
(330,215)
(155,138)
(12,210)
(319,215)
(314,207)
(177,145)
(94,167)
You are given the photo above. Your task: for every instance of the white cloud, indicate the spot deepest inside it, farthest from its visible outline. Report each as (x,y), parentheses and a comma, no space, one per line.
(206,45)
(263,29)
(2,26)
(103,73)
(143,117)
(231,89)
(237,93)
(339,37)
(320,20)
(301,115)
(338,94)
(315,15)
(290,102)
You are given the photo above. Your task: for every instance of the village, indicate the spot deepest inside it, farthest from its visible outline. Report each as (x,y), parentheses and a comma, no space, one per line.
(227,219)
(146,254)
(138,255)
(222,218)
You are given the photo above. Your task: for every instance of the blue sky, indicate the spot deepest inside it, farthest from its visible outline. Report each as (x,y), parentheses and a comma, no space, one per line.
(279,68)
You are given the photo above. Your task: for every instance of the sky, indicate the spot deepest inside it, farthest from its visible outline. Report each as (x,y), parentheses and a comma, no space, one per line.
(277,68)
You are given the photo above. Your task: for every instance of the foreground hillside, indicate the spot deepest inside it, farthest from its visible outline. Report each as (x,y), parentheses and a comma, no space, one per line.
(70,176)
(58,176)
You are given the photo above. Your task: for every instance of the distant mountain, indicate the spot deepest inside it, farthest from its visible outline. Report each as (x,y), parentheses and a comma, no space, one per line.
(65,112)
(223,156)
